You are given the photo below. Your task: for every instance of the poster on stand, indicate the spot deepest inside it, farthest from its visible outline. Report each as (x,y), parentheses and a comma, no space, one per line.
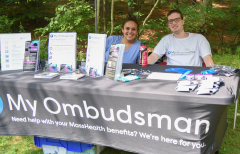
(31,56)
(12,50)
(114,63)
(62,49)
(95,55)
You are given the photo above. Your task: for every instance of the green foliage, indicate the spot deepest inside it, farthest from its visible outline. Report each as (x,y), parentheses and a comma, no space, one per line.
(18,145)
(44,48)
(226,59)
(228,51)
(156,29)
(21,28)
(81,56)
(220,52)
(213,22)
(5,24)
(192,17)
(118,29)
(138,14)
(74,16)
(21,11)
(238,50)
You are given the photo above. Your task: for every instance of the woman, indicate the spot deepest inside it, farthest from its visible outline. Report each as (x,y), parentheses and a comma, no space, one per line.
(132,45)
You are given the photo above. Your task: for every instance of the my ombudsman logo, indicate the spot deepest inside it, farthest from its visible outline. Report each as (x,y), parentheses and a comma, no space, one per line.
(51,35)
(1,105)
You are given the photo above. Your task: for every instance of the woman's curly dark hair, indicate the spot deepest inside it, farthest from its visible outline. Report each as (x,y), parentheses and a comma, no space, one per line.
(130,18)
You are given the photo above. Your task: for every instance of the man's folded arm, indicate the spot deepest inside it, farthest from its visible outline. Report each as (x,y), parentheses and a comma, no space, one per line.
(208,60)
(153,58)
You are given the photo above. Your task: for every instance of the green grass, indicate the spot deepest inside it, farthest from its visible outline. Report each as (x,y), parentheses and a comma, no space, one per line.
(231,140)
(230,143)
(18,145)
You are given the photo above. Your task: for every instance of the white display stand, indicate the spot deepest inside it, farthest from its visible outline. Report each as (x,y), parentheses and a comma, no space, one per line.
(62,49)
(12,50)
(95,56)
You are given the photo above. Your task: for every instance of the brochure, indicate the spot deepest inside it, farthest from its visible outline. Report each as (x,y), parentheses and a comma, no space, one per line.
(31,56)
(12,47)
(72,76)
(95,55)
(164,76)
(47,75)
(62,49)
(50,68)
(114,64)
(65,68)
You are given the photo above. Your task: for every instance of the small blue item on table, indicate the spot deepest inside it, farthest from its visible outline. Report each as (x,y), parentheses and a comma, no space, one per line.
(208,72)
(178,70)
(123,79)
(132,77)
(184,75)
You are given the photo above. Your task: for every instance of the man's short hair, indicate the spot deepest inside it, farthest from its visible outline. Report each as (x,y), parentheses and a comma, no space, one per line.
(175,11)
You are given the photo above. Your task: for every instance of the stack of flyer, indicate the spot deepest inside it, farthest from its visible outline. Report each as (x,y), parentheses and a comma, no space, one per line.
(72,76)
(46,75)
(114,64)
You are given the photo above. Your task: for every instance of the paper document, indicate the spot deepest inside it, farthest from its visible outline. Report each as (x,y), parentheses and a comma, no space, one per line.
(46,75)
(62,48)
(164,76)
(72,76)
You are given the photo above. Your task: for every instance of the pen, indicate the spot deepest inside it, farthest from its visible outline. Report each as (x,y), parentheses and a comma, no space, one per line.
(184,75)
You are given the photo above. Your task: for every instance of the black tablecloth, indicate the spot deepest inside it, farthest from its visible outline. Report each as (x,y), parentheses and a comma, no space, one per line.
(143,116)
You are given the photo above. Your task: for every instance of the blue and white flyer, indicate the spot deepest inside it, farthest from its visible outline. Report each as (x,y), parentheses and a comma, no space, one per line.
(62,49)
(96,53)
(12,50)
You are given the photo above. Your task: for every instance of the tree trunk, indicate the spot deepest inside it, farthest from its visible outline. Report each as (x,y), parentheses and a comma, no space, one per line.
(239,62)
(176,1)
(144,22)
(104,17)
(205,5)
(112,26)
(98,9)
(22,1)
(153,1)
(135,6)
(194,2)
(130,7)
(140,5)
(209,4)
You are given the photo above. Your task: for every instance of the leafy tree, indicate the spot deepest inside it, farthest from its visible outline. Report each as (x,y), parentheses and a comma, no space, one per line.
(5,24)
(22,10)
(74,16)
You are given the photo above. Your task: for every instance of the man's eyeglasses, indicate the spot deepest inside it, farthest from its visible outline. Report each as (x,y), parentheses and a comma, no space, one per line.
(172,20)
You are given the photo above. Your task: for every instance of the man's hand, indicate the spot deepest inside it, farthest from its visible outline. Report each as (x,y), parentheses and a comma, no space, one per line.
(208,60)
(152,59)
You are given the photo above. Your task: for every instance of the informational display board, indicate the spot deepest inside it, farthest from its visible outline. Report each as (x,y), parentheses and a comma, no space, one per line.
(12,50)
(62,49)
(114,64)
(31,56)
(96,53)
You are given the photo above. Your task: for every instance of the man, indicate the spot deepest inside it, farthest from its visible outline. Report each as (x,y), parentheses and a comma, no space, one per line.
(182,48)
